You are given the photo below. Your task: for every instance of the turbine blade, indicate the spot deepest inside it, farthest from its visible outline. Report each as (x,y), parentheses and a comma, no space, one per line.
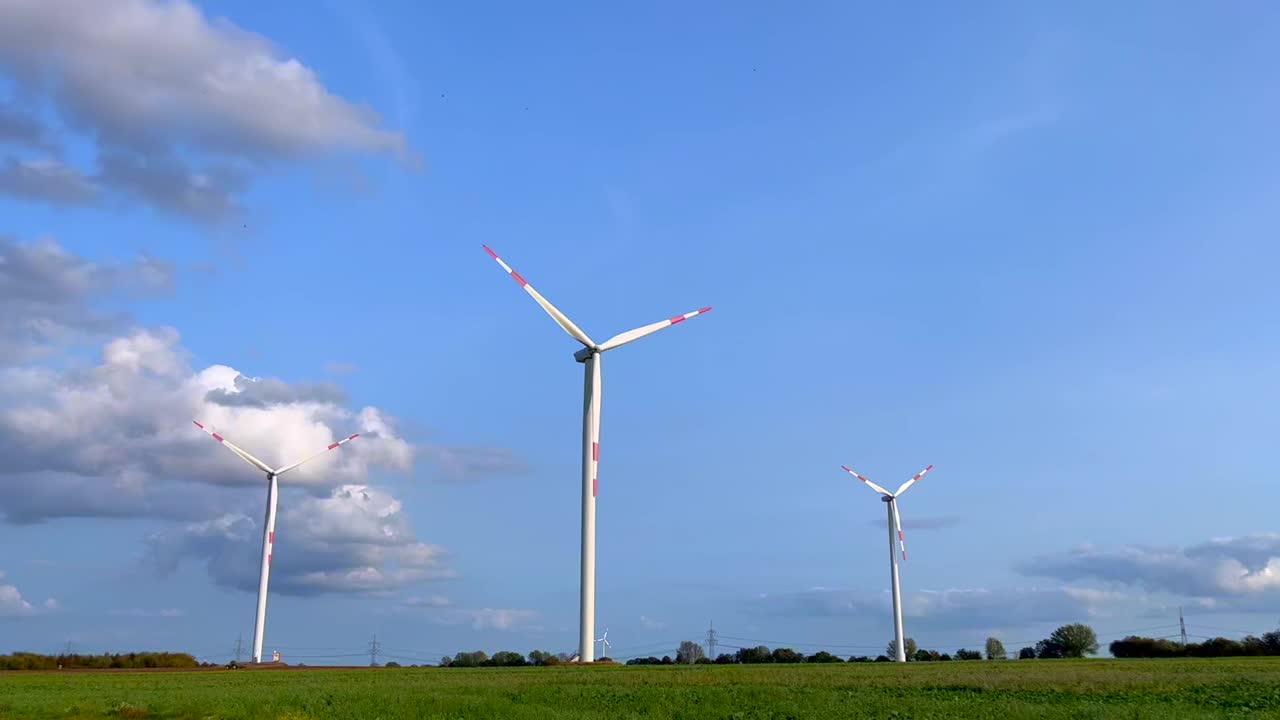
(561,319)
(331,446)
(902,540)
(235,449)
(631,335)
(912,481)
(869,484)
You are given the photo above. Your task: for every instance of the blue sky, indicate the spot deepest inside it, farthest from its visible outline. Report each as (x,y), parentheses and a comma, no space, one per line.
(1026,244)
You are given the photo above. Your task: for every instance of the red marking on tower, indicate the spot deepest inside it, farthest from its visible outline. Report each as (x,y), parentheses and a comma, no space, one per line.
(333,446)
(492,254)
(353,436)
(595,486)
(705,309)
(595,451)
(678,318)
(519,279)
(217,437)
(197,422)
(268,558)
(271,537)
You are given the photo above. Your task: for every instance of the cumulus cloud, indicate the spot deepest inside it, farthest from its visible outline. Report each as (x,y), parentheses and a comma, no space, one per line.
(23,129)
(431,601)
(181,107)
(462,463)
(493,618)
(46,180)
(49,295)
(123,426)
(12,604)
(968,608)
(356,540)
(144,613)
(113,437)
(1240,572)
(649,623)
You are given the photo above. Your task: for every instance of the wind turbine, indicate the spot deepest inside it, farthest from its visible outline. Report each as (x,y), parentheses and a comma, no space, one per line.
(895,521)
(604,640)
(269,524)
(589,356)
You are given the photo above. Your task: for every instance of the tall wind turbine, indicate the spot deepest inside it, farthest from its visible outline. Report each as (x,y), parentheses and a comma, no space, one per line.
(269,524)
(589,356)
(895,522)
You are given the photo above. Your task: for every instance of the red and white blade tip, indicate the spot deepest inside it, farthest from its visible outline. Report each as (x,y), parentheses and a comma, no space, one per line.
(686,316)
(346,439)
(208,430)
(854,473)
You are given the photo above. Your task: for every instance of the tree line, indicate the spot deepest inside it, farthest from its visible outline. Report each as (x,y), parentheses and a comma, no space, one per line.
(117,661)
(1134,646)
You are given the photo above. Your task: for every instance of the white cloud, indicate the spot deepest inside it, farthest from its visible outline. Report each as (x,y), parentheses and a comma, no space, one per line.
(116,434)
(503,619)
(144,613)
(357,540)
(650,624)
(1240,572)
(47,292)
(964,608)
(12,604)
(158,86)
(431,601)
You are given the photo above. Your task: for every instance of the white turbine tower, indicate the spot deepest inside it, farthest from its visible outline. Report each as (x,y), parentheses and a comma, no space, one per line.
(604,642)
(895,522)
(269,523)
(589,356)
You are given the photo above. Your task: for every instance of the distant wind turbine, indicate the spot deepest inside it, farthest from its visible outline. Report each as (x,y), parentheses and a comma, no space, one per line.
(895,521)
(604,641)
(589,356)
(269,524)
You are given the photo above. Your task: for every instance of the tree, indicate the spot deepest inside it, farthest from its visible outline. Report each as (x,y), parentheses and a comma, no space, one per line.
(892,648)
(725,659)
(1049,650)
(787,655)
(758,654)
(470,659)
(995,649)
(666,660)
(506,658)
(963,654)
(1027,653)
(822,656)
(689,653)
(543,657)
(1075,640)
(704,660)
(923,655)
(392,664)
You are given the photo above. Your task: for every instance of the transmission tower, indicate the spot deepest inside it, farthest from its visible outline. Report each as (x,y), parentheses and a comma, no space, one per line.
(374,648)
(711,641)
(1182,623)
(239,649)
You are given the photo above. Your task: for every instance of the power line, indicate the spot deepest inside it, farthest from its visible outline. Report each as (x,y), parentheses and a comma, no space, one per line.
(1182,623)
(711,640)
(373,651)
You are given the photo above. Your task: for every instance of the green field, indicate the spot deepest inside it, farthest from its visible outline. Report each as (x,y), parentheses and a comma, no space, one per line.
(1164,689)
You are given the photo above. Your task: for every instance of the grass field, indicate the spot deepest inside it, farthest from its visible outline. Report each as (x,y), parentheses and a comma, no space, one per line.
(1164,689)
